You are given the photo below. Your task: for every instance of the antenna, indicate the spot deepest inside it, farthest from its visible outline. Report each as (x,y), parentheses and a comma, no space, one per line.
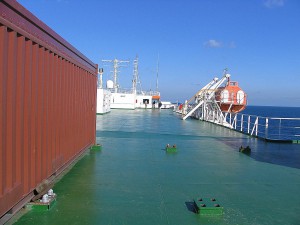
(135,74)
(116,64)
(157,72)
(136,83)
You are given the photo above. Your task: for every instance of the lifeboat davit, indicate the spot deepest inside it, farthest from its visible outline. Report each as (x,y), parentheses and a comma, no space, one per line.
(231,98)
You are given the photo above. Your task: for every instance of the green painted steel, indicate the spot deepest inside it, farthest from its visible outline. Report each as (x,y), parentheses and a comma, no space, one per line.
(40,206)
(246,150)
(171,149)
(133,181)
(96,147)
(208,207)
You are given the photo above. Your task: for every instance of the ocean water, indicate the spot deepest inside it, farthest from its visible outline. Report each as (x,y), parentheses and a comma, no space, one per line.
(273,111)
(134,181)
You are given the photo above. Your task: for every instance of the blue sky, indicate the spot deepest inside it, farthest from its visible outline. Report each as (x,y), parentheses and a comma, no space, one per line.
(257,40)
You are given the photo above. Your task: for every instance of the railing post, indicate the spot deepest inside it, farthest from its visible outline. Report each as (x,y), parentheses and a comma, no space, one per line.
(279,128)
(266,128)
(234,121)
(256,123)
(248,124)
(224,117)
(255,127)
(242,122)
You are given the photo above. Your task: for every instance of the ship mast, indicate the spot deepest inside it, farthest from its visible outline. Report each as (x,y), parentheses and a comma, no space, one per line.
(135,74)
(116,64)
(157,73)
(136,83)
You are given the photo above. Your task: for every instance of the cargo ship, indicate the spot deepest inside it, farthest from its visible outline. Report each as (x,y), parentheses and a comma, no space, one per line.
(60,163)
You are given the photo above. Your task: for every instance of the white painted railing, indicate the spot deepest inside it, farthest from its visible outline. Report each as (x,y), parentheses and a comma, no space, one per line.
(270,128)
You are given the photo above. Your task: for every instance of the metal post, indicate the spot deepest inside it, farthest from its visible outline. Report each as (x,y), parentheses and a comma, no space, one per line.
(256,123)
(266,128)
(242,122)
(279,128)
(235,121)
(248,124)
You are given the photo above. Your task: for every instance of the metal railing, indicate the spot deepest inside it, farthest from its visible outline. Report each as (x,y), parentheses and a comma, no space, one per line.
(152,93)
(131,91)
(121,90)
(269,128)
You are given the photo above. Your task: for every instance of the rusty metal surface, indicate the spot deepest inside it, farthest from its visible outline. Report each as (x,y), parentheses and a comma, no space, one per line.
(47,103)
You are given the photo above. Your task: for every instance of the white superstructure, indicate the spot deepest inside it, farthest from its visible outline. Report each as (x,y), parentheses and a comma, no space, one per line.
(103,96)
(126,98)
(103,101)
(167,105)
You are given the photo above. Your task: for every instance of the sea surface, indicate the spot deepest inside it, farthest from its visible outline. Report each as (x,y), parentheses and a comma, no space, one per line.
(134,181)
(273,111)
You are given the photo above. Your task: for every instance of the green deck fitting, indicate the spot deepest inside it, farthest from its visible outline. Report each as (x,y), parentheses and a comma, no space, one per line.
(296,141)
(40,206)
(246,150)
(96,147)
(171,149)
(208,207)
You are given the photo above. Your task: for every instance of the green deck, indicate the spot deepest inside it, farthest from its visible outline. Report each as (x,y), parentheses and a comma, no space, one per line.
(133,181)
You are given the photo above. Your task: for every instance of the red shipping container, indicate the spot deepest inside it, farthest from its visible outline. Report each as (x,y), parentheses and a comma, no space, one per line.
(47,105)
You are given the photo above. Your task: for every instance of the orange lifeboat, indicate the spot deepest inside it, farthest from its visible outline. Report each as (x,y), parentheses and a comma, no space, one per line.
(231,98)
